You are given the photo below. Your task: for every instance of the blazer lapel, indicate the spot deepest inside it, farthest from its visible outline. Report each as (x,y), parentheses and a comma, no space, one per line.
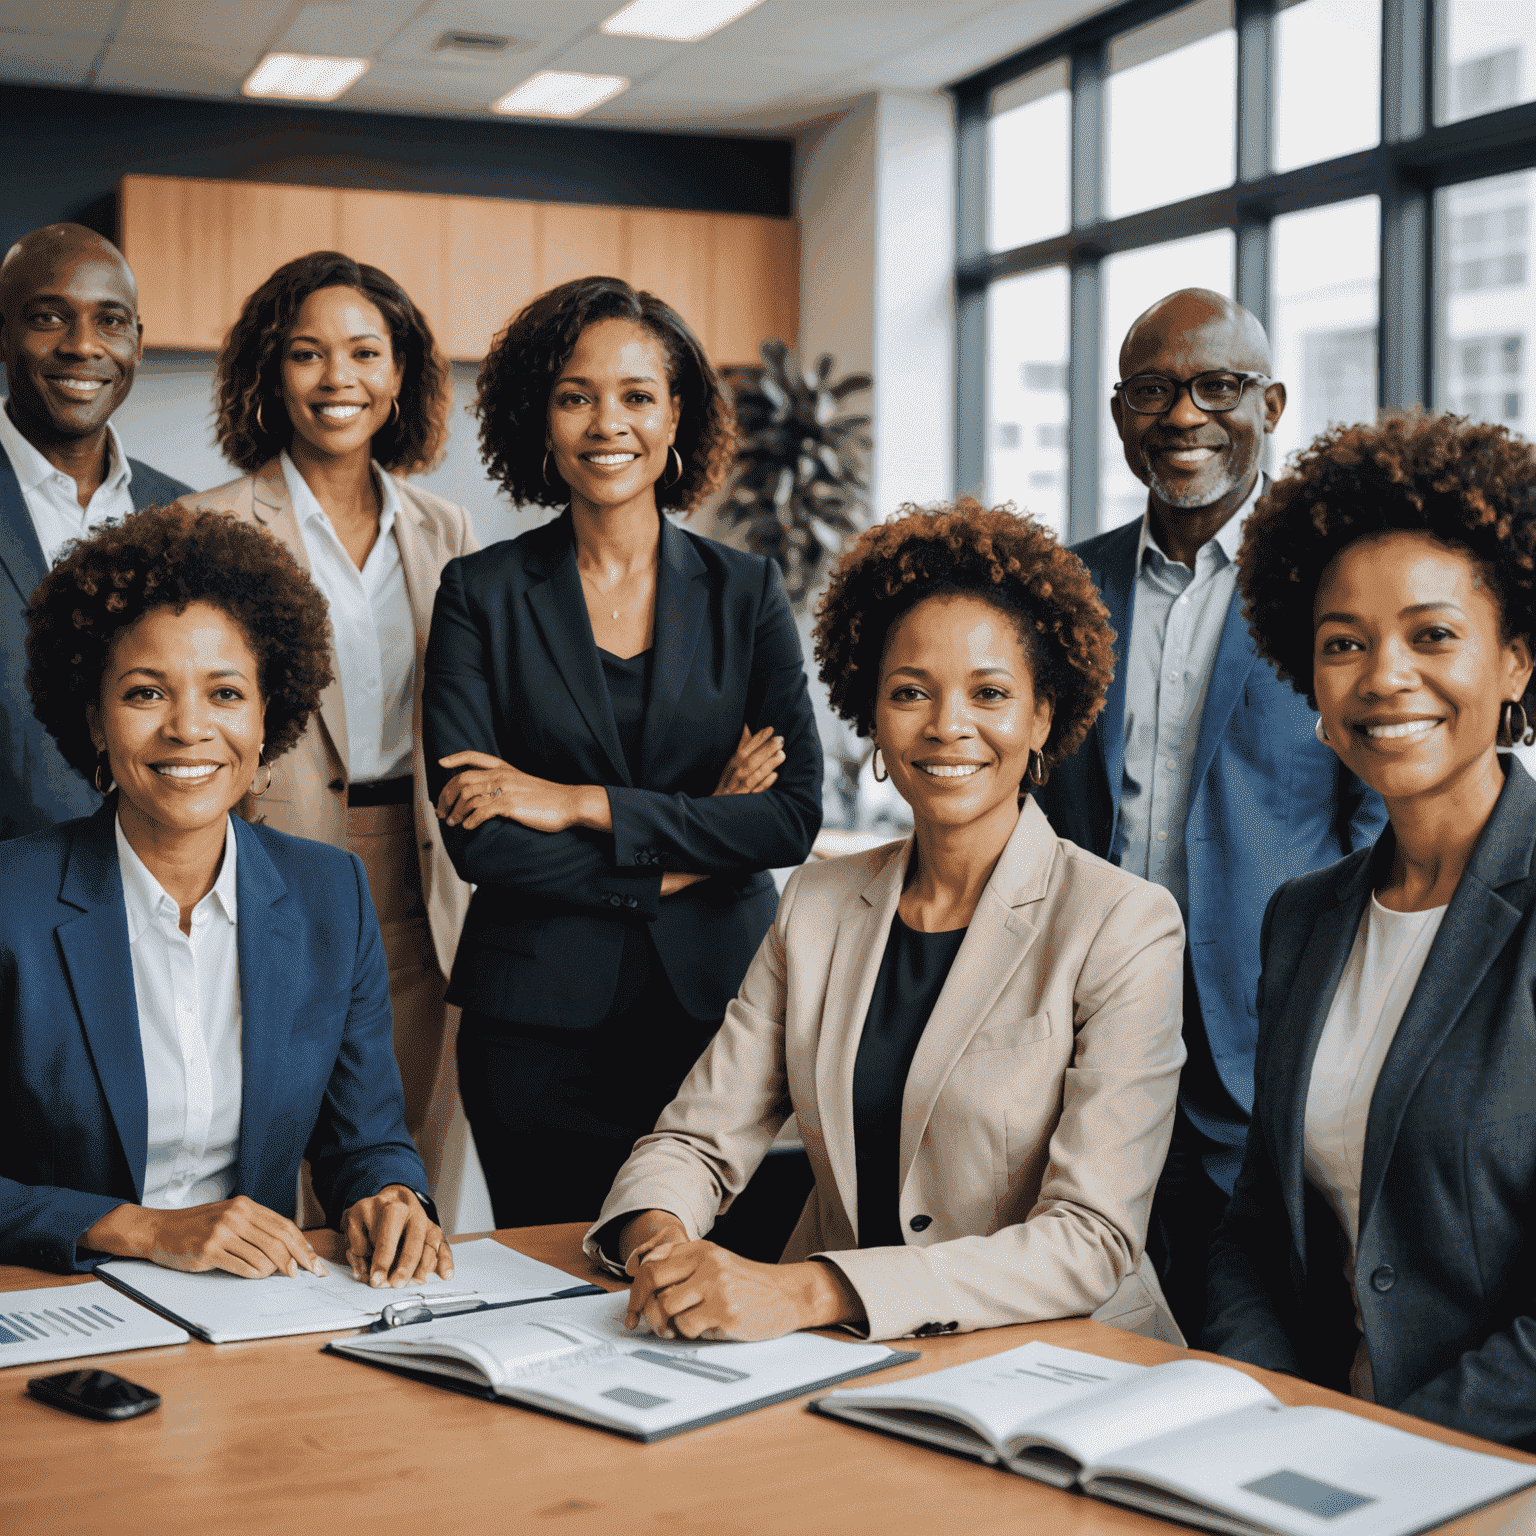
(95,950)
(1315,980)
(1235,659)
(857,952)
(419,565)
(1476,926)
(1000,935)
(560,611)
(1116,580)
(267,943)
(20,553)
(272,507)
(682,602)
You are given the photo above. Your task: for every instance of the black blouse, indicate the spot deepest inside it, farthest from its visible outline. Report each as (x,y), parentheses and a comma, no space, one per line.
(912,974)
(629,686)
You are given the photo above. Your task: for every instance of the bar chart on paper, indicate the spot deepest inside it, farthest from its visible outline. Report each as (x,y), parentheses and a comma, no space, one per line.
(67,1321)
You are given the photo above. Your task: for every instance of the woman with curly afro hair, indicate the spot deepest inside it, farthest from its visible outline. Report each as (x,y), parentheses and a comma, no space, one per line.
(331,389)
(977,1027)
(621,741)
(1379,1238)
(189,1004)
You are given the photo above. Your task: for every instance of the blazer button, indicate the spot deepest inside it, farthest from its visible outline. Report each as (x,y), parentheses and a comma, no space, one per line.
(1383,1278)
(337,784)
(920,1223)
(631,901)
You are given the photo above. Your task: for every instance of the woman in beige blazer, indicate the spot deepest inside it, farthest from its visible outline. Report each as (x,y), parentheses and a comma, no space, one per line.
(329,384)
(978,1028)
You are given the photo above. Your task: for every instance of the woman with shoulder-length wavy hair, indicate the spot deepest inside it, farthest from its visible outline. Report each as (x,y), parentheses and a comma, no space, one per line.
(978,1028)
(330,388)
(1379,1239)
(190,1005)
(621,744)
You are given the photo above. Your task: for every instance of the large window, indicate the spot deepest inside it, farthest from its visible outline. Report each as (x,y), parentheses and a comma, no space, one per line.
(1360,173)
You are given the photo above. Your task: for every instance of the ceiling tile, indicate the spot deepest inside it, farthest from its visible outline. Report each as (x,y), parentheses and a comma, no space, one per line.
(225,26)
(346,28)
(632,57)
(174,71)
(533,23)
(42,60)
(846,29)
(62,18)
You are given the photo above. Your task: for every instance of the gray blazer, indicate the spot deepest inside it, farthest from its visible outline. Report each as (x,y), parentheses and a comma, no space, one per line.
(1446,1270)
(37,787)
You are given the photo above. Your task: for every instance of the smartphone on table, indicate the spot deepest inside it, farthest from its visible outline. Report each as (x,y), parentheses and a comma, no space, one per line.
(95,1394)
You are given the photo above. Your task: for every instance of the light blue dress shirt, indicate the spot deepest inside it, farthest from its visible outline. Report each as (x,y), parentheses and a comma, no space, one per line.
(1176,627)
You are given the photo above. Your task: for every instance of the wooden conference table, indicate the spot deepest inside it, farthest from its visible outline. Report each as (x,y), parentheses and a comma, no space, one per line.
(273,1436)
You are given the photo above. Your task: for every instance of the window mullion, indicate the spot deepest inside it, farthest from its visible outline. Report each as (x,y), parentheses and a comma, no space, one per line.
(1090,67)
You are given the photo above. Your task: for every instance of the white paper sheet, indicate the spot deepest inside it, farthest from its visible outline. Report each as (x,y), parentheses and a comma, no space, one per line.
(223,1308)
(66,1322)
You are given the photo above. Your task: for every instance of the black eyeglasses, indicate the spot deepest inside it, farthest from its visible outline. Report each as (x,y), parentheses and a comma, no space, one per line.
(1150,394)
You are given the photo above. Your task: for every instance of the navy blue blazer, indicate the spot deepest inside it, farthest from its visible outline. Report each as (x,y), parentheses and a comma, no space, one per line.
(1267,801)
(1446,1262)
(37,787)
(319,1074)
(512,669)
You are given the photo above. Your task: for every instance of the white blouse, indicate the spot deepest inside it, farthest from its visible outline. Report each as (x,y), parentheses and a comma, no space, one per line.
(373,629)
(188,995)
(1372,995)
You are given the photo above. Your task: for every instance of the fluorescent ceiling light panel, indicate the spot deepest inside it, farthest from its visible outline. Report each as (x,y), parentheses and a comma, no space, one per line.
(560,93)
(676,21)
(303,76)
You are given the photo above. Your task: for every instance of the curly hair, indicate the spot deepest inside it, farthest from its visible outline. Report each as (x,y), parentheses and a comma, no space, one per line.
(169,557)
(966,549)
(249,373)
(1467,484)
(512,399)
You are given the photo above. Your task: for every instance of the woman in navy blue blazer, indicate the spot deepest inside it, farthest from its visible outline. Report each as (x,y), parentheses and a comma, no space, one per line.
(1380,1237)
(190,1005)
(621,742)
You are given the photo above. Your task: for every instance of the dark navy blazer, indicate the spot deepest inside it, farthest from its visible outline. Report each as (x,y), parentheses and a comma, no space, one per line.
(512,669)
(37,787)
(1267,801)
(319,1074)
(1446,1263)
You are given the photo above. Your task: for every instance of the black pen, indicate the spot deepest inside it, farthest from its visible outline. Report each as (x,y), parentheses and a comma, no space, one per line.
(402,1314)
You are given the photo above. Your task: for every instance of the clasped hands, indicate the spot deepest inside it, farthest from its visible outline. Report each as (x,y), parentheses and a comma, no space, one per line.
(695,1289)
(390,1239)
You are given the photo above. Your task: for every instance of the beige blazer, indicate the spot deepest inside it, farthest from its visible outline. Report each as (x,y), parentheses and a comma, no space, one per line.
(308,796)
(1038,1108)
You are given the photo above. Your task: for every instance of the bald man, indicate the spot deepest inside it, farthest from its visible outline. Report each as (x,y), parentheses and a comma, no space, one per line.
(70,339)
(1202,773)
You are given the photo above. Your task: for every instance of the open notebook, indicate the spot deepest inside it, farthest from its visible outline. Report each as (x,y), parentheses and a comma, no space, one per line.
(574,1358)
(1191,1440)
(222,1308)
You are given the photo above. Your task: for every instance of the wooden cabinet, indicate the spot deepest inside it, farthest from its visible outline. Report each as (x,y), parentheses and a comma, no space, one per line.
(200,248)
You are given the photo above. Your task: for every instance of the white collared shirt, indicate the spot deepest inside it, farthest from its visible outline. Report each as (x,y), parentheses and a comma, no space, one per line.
(1176,626)
(188,995)
(1368,1005)
(53,499)
(374,632)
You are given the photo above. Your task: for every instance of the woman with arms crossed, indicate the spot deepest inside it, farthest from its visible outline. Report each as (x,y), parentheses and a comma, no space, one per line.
(188,1004)
(978,1028)
(331,387)
(1379,1239)
(621,743)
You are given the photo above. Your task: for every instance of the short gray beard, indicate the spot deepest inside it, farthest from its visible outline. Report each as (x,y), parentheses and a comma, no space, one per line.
(1188,499)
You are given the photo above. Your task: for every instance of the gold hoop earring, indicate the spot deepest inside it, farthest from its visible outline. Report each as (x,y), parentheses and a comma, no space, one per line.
(258,793)
(544,469)
(1508,737)
(667,485)
(1036,773)
(395,418)
(1321,732)
(103,760)
(877,762)
(260,425)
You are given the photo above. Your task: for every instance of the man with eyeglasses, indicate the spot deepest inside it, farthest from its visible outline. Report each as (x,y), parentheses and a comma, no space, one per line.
(1202,773)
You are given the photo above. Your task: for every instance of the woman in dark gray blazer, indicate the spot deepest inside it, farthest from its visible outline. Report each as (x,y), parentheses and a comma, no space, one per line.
(620,741)
(1380,1238)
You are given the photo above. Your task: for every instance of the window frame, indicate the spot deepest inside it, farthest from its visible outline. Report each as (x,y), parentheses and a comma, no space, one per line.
(1415,159)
